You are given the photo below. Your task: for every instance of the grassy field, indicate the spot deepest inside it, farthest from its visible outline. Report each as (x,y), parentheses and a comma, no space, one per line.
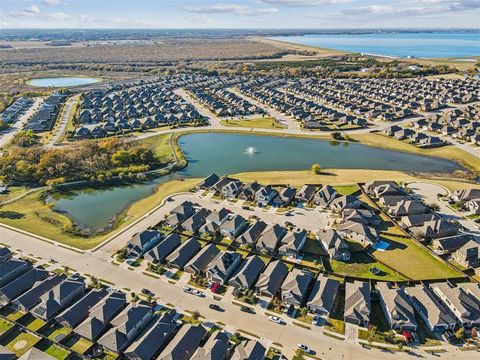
(447,152)
(32,215)
(258,123)
(160,144)
(413,261)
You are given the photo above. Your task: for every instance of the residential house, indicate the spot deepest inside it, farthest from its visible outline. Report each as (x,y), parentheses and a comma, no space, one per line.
(126,327)
(466,195)
(5,253)
(336,247)
(271,278)
(223,266)
(357,303)
(58,298)
(464,306)
(436,229)
(233,226)
(295,287)
(101,315)
(322,296)
(208,182)
(162,250)
(248,191)
(11,269)
(292,243)
(397,307)
(21,284)
(143,242)
(408,207)
(153,339)
(180,257)
(79,311)
(270,239)
(325,196)
(430,310)
(217,347)
(305,194)
(468,255)
(473,206)
(285,197)
(249,350)
(247,272)
(231,189)
(343,202)
(196,221)
(252,234)
(364,234)
(265,195)
(185,343)
(199,263)
(31,298)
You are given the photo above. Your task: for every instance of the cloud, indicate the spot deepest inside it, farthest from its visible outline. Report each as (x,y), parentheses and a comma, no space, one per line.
(229,9)
(52,2)
(293,3)
(33,9)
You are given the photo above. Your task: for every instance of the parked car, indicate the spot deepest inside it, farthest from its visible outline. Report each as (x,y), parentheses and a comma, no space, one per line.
(147,292)
(247,309)
(290,311)
(276,320)
(198,293)
(215,287)
(305,348)
(187,289)
(407,336)
(215,307)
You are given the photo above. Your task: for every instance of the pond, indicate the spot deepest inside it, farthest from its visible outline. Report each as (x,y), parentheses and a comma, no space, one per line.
(63,81)
(226,154)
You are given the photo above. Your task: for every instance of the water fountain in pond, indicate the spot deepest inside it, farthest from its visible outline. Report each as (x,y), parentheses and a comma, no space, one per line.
(250,150)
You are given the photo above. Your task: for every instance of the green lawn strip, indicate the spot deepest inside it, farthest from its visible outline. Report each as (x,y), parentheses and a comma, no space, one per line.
(4,326)
(58,330)
(53,350)
(15,315)
(260,123)
(346,189)
(22,343)
(412,260)
(36,324)
(335,325)
(81,346)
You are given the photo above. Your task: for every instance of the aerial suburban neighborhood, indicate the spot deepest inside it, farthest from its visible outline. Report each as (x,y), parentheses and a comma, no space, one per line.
(240,180)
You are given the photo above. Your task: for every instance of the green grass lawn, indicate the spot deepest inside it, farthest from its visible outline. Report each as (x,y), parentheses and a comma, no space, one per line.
(335,325)
(14,315)
(413,261)
(359,266)
(160,144)
(81,345)
(22,343)
(4,326)
(55,330)
(347,189)
(53,350)
(259,123)
(36,324)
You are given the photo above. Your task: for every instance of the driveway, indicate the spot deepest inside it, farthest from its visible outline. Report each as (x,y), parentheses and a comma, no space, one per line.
(351,333)
(61,126)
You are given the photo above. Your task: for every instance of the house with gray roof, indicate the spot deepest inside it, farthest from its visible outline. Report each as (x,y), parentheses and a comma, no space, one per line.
(21,284)
(196,221)
(436,229)
(223,266)
(29,299)
(249,350)
(271,279)
(397,307)
(217,347)
(12,269)
(79,311)
(464,306)
(185,343)
(336,247)
(208,182)
(58,298)
(153,339)
(143,242)
(364,234)
(466,195)
(199,263)
(295,287)
(270,239)
(265,195)
(292,243)
(468,255)
(285,197)
(247,272)
(233,226)
(5,253)
(357,303)
(126,326)
(252,233)
(35,354)
(162,250)
(6,354)
(101,315)
(248,191)
(322,296)
(325,196)
(305,194)
(431,311)
(408,207)
(343,202)
(181,255)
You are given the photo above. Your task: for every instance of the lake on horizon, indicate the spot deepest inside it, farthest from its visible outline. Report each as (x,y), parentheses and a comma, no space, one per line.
(420,44)
(223,154)
(62,81)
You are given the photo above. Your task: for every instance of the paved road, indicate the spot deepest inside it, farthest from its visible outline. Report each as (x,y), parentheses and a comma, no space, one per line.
(18,125)
(288,335)
(428,192)
(61,126)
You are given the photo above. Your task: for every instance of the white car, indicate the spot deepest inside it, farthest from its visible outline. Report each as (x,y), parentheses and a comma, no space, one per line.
(187,290)
(305,348)
(275,319)
(198,293)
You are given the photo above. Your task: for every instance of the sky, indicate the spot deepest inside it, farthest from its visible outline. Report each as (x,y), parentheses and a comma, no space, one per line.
(317,14)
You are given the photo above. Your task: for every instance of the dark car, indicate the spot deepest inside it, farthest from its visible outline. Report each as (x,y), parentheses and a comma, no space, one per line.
(247,309)
(215,307)
(147,292)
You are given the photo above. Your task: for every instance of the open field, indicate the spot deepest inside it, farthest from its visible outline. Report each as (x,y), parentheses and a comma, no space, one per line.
(32,215)
(447,152)
(160,144)
(259,123)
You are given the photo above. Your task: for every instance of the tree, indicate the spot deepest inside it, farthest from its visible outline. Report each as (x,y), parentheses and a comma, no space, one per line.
(460,333)
(95,283)
(316,169)
(195,315)
(372,330)
(434,206)
(303,312)
(336,135)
